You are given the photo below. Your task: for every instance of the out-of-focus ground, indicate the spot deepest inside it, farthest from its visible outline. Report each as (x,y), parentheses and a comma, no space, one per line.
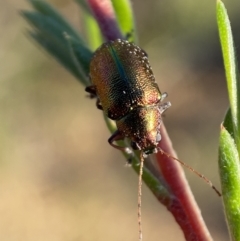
(59,178)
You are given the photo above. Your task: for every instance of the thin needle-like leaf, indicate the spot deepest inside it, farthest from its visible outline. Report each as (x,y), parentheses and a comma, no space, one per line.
(91,29)
(229,168)
(231,70)
(49,11)
(125,19)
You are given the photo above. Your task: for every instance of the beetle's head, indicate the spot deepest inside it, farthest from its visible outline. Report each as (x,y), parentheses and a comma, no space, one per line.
(142,127)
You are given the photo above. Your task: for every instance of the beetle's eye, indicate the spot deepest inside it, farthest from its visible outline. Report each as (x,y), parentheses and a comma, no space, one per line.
(135,146)
(158,137)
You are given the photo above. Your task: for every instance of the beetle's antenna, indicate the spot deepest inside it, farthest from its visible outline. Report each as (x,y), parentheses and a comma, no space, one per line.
(140,195)
(194,171)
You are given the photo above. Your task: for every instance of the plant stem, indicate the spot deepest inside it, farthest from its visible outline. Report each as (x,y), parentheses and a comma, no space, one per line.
(105,16)
(183,206)
(178,199)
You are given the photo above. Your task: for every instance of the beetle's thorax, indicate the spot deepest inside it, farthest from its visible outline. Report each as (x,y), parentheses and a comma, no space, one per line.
(142,127)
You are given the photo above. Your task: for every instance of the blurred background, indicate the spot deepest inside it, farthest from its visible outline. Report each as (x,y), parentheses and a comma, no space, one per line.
(59,178)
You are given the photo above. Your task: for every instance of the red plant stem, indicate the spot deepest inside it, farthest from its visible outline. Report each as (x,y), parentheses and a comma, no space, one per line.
(106,18)
(183,206)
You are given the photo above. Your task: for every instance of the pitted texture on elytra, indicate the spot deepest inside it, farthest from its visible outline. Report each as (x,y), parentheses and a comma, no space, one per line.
(123,78)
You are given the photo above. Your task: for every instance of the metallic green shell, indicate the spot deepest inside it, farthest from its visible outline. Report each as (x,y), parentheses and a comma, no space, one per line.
(123,78)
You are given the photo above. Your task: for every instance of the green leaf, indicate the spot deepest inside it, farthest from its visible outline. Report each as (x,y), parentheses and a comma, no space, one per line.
(228,124)
(52,37)
(231,70)
(84,5)
(46,25)
(229,168)
(125,19)
(81,56)
(93,33)
(91,28)
(61,54)
(49,11)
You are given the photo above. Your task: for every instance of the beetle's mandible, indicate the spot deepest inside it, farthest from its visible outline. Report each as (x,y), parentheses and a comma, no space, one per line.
(126,90)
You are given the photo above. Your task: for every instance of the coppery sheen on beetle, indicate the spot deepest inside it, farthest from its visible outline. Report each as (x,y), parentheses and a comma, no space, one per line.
(126,90)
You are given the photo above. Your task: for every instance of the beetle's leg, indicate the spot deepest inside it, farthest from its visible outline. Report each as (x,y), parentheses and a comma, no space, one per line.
(129,35)
(163,96)
(92,90)
(99,105)
(93,94)
(135,146)
(163,107)
(117,136)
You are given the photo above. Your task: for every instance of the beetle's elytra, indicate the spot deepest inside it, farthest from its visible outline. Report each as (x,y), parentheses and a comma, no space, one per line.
(126,90)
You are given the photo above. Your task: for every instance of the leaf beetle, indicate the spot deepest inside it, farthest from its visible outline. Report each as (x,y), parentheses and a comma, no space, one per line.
(126,90)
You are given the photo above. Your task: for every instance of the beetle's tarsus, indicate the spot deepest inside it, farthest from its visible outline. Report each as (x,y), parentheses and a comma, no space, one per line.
(93,94)
(163,96)
(92,90)
(163,107)
(99,105)
(129,162)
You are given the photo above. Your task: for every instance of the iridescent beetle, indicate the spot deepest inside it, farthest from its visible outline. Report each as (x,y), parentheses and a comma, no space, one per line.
(127,92)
